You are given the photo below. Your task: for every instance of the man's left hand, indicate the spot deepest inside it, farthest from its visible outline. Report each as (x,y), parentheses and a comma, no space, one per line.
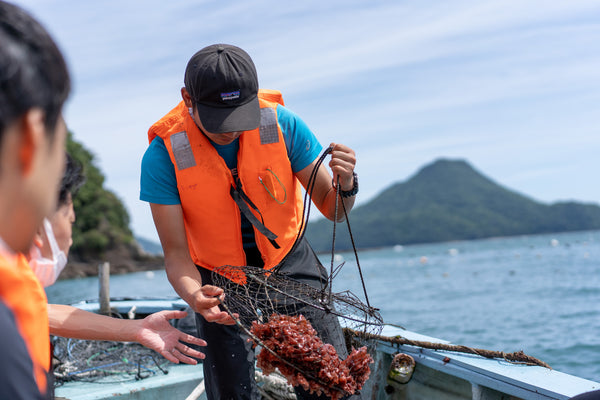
(343,161)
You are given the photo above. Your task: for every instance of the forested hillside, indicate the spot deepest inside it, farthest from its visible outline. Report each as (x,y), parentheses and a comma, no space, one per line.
(449,200)
(101,231)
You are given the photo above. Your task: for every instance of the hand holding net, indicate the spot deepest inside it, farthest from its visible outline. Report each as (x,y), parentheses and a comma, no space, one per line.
(274,310)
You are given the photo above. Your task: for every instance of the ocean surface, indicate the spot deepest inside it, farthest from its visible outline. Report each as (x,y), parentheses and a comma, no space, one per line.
(539,294)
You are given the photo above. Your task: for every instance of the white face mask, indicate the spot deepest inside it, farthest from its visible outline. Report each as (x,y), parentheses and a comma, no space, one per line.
(46,270)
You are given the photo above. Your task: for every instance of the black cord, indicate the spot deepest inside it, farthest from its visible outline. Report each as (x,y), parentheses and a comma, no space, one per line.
(304,221)
(306,206)
(362,281)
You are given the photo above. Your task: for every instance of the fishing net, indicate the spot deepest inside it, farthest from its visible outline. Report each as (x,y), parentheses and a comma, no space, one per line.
(276,310)
(262,293)
(104,361)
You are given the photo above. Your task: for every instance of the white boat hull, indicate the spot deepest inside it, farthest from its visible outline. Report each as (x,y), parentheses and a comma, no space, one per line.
(438,375)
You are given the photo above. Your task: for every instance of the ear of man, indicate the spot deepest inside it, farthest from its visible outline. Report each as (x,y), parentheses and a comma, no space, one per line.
(187,99)
(33,132)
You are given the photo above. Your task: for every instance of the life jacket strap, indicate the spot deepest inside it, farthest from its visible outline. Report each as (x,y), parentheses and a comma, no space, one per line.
(243,201)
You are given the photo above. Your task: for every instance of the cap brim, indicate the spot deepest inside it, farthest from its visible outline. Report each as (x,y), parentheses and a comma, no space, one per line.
(230,119)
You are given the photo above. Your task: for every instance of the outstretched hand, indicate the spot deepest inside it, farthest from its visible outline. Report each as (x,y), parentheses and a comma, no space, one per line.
(343,161)
(158,334)
(206,302)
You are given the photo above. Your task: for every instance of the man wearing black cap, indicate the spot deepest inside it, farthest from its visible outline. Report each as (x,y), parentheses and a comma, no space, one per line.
(223,174)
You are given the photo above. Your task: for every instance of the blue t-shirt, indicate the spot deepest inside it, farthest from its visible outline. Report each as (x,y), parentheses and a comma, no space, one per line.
(158,183)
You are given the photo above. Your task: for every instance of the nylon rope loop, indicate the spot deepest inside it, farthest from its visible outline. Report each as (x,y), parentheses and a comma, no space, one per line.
(280,184)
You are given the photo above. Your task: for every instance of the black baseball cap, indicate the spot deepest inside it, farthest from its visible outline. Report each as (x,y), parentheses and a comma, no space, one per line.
(222,81)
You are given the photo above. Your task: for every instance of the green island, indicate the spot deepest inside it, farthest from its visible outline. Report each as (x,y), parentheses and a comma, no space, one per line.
(449,200)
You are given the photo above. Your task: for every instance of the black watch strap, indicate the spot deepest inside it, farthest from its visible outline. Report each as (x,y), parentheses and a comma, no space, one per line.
(354,190)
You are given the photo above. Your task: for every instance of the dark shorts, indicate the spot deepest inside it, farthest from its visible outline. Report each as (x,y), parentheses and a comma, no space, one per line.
(229,362)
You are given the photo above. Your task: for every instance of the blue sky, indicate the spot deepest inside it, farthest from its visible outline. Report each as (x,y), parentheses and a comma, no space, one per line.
(511,86)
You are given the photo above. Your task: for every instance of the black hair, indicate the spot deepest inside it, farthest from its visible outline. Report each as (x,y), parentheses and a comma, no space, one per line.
(72,180)
(33,72)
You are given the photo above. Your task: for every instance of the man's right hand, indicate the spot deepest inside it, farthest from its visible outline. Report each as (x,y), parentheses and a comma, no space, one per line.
(206,302)
(181,271)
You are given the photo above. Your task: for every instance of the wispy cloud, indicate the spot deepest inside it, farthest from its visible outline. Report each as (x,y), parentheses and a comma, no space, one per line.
(511,86)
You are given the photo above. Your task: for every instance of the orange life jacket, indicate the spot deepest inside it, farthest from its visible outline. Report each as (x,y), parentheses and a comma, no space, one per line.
(24,295)
(211,217)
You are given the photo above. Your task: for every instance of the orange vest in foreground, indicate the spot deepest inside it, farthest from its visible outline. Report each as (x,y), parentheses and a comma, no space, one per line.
(24,295)
(211,217)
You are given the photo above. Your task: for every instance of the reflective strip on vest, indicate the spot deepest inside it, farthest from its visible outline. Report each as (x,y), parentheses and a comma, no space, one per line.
(211,217)
(184,156)
(268,126)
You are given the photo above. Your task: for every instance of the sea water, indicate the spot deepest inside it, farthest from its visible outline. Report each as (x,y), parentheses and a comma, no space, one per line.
(539,294)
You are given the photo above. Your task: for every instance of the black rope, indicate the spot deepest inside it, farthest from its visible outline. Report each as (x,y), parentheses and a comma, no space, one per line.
(362,281)
(305,216)
(335,217)
(306,206)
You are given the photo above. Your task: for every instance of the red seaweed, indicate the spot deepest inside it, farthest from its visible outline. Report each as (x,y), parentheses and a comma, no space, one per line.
(293,339)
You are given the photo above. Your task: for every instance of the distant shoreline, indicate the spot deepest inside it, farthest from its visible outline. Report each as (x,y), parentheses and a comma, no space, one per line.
(121,264)
(118,266)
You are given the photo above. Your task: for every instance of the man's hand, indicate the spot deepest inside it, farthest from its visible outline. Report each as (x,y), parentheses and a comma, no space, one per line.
(158,334)
(343,161)
(206,302)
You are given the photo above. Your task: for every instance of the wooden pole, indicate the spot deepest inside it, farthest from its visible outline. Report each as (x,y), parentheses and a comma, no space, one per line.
(104,295)
(197,392)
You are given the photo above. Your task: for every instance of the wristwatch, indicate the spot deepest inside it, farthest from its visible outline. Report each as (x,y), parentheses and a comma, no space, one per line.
(353,191)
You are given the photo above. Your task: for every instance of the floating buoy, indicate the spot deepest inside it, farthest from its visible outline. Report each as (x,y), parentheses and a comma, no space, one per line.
(402,368)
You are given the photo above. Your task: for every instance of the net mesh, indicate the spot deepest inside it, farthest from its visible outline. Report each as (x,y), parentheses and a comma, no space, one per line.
(274,309)
(260,293)
(104,361)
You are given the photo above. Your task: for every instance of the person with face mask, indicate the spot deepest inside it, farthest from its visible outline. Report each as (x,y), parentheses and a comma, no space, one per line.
(48,259)
(46,269)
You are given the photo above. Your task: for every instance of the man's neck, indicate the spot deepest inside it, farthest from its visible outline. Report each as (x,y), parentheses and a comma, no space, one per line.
(14,221)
